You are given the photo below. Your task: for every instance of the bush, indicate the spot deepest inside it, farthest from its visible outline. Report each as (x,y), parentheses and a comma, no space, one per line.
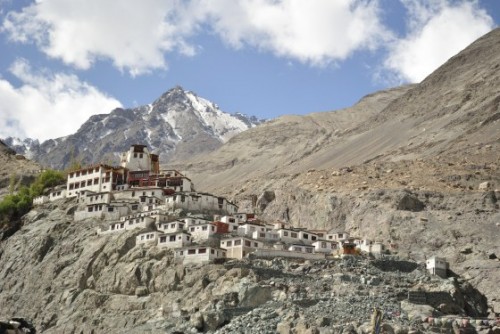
(14,206)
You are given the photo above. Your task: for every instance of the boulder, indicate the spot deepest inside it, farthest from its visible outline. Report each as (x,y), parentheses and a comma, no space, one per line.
(284,327)
(409,202)
(264,199)
(196,321)
(213,320)
(484,185)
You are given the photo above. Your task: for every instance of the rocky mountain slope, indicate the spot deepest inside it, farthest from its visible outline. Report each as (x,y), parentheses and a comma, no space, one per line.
(415,166)
(14,169)
(71,280)
(454,112)
(177,125)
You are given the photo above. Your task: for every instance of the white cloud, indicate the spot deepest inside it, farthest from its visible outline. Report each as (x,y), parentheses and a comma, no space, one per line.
(438,29)
(47,105)
(133,34)
(136,35)
(315,32)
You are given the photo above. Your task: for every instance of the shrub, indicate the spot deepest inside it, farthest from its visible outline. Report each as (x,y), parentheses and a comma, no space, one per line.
(14,206)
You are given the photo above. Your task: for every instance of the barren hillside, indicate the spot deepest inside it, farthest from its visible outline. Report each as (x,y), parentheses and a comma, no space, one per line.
(416,167)
(452,113)
(14,169)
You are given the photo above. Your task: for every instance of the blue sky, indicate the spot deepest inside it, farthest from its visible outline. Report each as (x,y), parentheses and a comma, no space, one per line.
(62,61)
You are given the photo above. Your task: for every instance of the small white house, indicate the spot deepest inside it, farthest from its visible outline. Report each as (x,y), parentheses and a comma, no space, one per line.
(129,224)
(239,247)
(147,237)
(268,235)
(337,236)
(437,266)
(57,193)
(199,254)
(171,227)
(194,221)
(324,246)
(248,229)
(192,201)
(370,247)
(39,200)
(174,240)
(202,232)
(301,248)
(289,235)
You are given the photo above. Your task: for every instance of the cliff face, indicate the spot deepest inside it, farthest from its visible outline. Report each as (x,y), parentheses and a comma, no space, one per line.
(70,280)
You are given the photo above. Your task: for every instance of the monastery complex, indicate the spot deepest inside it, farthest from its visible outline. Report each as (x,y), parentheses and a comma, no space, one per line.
(167,211)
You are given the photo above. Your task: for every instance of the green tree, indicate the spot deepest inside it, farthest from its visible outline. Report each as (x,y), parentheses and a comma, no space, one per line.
(14,206)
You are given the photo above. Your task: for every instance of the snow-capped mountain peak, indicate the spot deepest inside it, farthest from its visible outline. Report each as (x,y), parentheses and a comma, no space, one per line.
(177,125)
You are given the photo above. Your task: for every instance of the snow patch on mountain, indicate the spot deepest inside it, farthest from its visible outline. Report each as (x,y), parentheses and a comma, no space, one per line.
(223,124)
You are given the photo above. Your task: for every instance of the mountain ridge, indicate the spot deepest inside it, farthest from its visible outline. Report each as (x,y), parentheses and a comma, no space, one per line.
(177,124)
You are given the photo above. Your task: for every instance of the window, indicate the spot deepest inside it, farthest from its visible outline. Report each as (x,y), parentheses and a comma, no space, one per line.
(122,225)
(212,251)
(237,242)
(204,228)
(255,244)
(285,233)
(181,253)
(164,239)
(229,243)
(297,249)
(142,237)
(110,209)
(323,245)
(309,250)
(313,238)
(247,243)
(90,209)
(89,182)
(134,207)
(140,155)
(306,236)
(71,175)
(202,251)
(135,155)
(172,238)
(262,235)
(293,235)
(191,251)
(192,229)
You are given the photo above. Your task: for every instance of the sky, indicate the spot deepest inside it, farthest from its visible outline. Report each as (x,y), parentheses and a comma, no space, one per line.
(62,61)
